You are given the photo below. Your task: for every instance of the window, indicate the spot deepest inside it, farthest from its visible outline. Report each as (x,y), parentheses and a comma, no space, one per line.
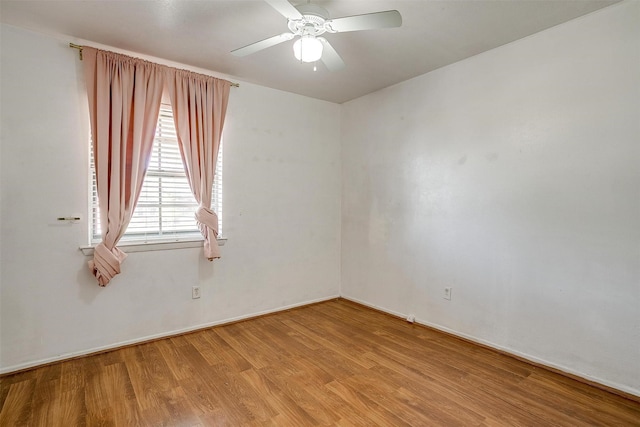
(166,207)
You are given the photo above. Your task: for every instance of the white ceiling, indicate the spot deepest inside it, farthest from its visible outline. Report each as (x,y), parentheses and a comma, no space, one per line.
(202,33)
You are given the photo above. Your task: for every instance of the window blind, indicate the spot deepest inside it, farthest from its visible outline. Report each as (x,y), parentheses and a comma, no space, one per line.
(166,207)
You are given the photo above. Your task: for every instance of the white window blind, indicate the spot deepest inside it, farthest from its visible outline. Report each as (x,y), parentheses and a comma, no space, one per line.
(166,207)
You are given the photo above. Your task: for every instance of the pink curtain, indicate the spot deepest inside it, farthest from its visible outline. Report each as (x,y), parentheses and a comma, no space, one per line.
(199,105)
(124,102)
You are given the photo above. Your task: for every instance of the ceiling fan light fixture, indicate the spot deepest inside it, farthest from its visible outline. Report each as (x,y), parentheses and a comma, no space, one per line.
(309,22)
(307,48)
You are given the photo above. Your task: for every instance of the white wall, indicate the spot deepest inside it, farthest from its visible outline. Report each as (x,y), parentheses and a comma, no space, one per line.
(514,178)
(281,216)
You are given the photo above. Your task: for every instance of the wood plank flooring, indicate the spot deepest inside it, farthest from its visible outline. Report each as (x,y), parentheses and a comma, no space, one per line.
(329,364)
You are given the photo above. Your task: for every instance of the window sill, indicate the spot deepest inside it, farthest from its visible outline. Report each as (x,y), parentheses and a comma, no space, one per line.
(130,247)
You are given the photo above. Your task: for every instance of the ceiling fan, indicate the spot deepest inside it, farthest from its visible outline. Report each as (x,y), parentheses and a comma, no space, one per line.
(309,21)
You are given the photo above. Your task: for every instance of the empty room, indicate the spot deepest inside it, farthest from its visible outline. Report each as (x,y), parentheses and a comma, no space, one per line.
(320,213)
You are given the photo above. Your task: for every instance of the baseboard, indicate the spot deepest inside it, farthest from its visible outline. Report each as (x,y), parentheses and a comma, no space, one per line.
(150,338)
(617,389)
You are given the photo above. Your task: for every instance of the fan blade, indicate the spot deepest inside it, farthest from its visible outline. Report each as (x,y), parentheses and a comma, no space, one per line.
(330,57)
(285,8)
(262,44)
(369,21)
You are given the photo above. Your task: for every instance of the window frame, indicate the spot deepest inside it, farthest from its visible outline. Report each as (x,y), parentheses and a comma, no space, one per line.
(139,242)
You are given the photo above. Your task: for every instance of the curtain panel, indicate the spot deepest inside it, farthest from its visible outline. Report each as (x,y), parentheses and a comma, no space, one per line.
(199,106)
(124,96)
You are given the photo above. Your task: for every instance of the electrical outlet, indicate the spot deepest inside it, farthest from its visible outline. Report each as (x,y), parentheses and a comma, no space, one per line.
(195,292)
(447,293)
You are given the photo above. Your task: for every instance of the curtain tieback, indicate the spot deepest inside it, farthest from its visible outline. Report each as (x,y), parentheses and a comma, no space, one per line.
(208,225)
(207,219)
(106,263)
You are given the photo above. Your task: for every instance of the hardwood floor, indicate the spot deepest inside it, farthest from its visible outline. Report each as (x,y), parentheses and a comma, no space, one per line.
(330,364)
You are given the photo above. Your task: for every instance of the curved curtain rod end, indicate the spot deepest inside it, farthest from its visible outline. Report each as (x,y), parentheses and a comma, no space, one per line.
(77,46)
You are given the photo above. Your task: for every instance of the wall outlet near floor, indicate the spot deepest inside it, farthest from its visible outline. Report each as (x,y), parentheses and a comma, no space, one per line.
(195,292)
(447,293)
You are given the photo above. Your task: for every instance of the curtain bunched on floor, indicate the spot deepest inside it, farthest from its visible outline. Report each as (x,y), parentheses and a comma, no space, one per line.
(199,106)
(124,102)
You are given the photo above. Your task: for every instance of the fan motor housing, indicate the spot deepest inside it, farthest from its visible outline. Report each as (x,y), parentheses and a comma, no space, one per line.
(312,22)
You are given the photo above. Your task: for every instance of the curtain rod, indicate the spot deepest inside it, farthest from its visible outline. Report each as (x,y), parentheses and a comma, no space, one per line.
(77,46)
